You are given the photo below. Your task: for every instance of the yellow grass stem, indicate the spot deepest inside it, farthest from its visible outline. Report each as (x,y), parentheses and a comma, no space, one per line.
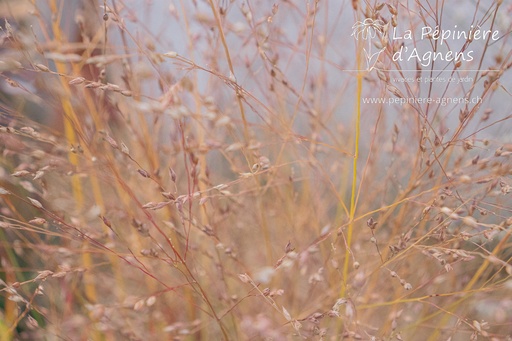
(70,121)
(350,228)
(469,287)
(5,333)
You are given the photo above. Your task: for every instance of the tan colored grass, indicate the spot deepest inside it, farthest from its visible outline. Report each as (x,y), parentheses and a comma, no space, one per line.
(226,180)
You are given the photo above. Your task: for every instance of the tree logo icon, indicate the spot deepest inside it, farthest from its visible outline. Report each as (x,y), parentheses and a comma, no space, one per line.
(367,30)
